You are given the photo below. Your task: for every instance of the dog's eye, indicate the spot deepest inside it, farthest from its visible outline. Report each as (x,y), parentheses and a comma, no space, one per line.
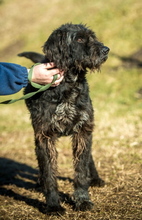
(81,40)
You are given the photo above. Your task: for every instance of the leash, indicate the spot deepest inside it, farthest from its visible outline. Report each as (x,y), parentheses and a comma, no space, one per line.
(40,88)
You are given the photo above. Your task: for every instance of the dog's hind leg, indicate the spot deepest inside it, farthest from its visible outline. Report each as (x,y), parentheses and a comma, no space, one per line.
(47,161)
(82,142)
(95,180)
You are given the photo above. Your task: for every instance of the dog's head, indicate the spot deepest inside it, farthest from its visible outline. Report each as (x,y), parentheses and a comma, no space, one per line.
(75,46)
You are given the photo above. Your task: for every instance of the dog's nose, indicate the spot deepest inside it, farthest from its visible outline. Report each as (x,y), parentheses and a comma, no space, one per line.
(105,50)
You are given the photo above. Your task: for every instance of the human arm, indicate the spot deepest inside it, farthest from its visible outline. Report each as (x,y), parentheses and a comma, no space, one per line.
(14,77)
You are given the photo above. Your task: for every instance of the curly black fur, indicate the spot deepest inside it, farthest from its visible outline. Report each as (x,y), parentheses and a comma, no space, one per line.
(67,110)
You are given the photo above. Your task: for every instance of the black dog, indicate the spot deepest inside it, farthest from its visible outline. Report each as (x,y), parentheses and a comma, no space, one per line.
(67,110)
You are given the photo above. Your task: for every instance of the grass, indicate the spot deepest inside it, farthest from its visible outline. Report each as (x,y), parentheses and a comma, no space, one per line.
(117,141)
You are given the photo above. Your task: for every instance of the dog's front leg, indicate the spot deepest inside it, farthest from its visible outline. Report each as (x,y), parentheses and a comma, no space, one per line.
(47,161)
(82,142)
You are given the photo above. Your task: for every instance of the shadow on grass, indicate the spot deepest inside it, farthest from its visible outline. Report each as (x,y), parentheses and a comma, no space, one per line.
(23,176)
(19,174)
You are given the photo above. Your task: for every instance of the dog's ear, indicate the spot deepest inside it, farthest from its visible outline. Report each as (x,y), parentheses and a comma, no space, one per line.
(56,49)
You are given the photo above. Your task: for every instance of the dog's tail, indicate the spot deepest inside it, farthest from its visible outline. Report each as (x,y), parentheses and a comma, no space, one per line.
(33,56)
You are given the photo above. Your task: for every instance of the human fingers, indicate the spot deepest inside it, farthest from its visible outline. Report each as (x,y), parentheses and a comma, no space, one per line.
(58,81)
(56,72)
(49,65)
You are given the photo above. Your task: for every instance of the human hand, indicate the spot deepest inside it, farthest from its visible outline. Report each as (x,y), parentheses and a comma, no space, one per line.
(43,74)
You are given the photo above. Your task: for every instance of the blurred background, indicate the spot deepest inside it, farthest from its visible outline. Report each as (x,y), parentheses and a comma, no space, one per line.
(116,94)
(25,25)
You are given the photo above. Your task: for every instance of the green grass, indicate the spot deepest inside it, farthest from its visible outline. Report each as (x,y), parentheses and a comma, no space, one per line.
(117,140)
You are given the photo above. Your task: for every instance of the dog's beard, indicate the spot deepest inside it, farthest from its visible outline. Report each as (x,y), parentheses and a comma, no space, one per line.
(92,63)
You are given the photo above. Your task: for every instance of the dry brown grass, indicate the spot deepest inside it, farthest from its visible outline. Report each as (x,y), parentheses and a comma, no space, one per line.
(117,150)
(117,145)
(119,166)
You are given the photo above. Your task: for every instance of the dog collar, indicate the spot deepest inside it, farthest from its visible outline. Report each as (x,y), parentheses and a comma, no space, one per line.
(40,88)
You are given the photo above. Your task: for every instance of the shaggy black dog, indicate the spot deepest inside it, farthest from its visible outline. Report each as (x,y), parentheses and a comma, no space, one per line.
(67,110)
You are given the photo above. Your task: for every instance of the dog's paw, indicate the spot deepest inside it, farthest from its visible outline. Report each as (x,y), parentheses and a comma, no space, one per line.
(55,210)
(82,201)
(97,182)
(83,205)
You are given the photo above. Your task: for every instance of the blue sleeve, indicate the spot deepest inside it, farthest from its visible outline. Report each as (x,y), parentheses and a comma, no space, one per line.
(13,78)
